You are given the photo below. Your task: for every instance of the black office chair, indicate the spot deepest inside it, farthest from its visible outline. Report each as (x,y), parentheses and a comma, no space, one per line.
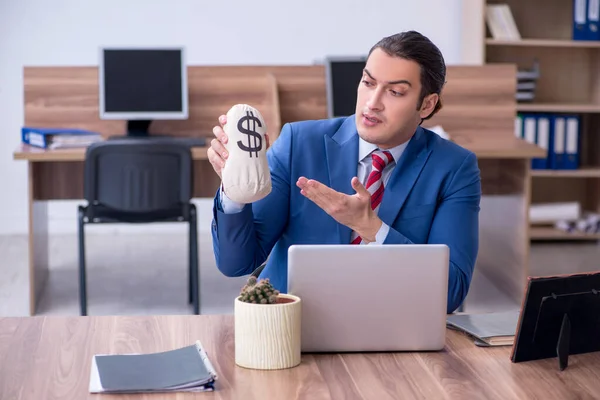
(139,181)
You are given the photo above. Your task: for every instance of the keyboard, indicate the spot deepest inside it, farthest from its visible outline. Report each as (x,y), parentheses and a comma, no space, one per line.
(188,141)
(191,141)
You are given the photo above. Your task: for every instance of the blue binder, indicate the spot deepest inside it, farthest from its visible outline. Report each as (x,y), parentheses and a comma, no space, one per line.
(580,22)
(45,137)
(530,131)
(572,142)
(559,130)
(593,19)
(542,139)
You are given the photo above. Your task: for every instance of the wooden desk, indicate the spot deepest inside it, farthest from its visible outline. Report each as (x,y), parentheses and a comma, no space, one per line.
(49,358)
(30,153)
(58,175)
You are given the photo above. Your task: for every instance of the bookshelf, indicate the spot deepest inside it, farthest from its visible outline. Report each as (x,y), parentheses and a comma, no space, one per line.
(568,83)
(542,43)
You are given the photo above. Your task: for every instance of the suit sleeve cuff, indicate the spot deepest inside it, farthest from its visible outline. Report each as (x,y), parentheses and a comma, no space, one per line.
(229,206)
(381,234)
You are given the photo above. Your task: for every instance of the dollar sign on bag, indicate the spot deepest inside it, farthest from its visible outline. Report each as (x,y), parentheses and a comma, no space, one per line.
(254,138)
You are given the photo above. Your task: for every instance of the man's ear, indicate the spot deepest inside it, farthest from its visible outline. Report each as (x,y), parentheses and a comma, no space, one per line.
(428,105)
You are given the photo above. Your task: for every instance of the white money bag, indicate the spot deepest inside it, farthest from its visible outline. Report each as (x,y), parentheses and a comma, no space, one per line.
(246,177)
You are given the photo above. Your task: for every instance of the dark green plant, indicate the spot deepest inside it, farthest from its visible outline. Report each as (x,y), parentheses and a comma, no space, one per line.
(259,292)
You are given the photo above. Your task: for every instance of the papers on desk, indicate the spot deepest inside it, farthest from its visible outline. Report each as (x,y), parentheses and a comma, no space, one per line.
(490,329)
(187,369)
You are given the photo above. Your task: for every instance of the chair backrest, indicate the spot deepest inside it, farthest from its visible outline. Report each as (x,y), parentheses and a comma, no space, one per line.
(138,175)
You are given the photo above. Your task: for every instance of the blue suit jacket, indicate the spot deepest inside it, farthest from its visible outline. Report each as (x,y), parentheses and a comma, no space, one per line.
(432,196)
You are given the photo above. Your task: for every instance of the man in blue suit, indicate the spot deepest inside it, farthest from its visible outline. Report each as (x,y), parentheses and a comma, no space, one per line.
(427,189)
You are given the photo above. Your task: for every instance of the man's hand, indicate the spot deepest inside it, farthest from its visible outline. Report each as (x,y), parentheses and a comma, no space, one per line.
(354,211)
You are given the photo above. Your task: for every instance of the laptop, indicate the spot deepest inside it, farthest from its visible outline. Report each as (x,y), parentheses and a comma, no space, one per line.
(371,297)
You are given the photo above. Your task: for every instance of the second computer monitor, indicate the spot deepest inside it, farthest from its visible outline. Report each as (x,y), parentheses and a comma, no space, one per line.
(143,84)
(343,76)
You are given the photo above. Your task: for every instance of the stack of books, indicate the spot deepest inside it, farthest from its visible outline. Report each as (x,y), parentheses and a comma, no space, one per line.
(526,83)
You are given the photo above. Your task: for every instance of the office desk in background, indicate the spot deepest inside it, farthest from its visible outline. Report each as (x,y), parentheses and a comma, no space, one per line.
(58,175)
(50,359)
(478,113)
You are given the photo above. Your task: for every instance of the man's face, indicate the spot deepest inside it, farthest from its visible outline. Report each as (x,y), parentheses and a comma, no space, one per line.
(387,107)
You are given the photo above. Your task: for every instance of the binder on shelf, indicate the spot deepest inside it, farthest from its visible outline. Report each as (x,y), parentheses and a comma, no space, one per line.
(571,159)
(580,28)
(57,138)
(593,19)
(557,157)
(529,128)
(558,134)
(519,126)
(536,130)
(542,139)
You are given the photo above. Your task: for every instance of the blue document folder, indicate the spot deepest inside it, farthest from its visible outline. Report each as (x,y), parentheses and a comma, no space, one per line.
(55,138)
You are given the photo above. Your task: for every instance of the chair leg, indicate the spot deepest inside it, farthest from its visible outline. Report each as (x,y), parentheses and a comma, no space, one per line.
(82,277)
(193,268)
(190,269)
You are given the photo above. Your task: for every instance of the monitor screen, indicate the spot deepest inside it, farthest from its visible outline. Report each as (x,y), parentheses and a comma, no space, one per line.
(143,84)
(343,78)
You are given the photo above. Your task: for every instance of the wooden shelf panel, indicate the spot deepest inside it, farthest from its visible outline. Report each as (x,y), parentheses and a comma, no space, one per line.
(549,233)
(499,148)
(590,172)
(544,43)
(559,107)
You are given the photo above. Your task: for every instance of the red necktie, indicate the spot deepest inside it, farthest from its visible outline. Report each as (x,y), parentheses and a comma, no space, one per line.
(380,159)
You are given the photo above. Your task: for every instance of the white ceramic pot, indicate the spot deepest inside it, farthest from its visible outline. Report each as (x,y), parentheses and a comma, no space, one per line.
(267,336)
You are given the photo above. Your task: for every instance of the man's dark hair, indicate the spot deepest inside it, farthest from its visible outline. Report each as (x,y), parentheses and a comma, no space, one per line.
(414,46)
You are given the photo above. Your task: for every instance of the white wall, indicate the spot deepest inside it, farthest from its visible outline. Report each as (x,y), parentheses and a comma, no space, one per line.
(69,32)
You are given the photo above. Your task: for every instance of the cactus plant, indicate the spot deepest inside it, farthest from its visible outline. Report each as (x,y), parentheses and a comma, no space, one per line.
(258,292)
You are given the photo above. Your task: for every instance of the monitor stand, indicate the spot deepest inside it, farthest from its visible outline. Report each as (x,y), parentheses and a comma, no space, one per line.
(138,128)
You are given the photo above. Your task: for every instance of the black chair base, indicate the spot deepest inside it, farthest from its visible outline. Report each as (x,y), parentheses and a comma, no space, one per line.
(103,217)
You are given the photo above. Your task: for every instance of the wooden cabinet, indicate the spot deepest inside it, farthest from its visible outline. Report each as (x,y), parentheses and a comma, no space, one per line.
(568,83)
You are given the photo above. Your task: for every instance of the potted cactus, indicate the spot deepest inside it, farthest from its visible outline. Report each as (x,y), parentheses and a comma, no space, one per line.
(267,327)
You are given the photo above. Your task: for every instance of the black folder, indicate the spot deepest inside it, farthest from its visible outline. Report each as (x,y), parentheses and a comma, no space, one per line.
(183,369)
(560,316)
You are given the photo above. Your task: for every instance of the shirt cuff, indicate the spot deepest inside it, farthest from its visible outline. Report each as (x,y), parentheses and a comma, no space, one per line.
(229,206)
(381,234)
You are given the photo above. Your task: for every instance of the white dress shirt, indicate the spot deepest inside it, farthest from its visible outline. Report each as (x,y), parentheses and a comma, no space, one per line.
(364,169)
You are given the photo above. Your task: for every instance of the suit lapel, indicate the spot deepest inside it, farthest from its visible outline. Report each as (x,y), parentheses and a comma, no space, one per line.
(342,163)
(404,176)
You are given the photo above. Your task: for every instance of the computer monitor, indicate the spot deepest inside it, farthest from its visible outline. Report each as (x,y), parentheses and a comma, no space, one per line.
(141,85)
(342,78)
